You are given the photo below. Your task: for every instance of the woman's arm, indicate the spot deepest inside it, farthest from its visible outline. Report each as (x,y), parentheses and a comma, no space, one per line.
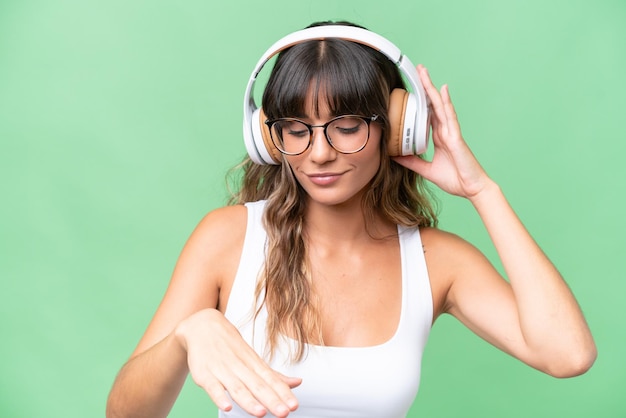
(149,383)
(535,317)
(555,334)
(189,334)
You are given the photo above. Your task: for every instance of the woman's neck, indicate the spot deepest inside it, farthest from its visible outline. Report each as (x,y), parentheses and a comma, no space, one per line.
(344,224)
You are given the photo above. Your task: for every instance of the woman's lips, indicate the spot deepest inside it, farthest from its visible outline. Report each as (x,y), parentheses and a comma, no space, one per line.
(324,179)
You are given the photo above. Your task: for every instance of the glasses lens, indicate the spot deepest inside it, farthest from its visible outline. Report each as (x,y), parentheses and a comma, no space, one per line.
(348,133)
(290,136)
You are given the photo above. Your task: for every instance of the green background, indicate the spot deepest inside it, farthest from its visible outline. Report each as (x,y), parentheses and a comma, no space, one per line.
(119,120)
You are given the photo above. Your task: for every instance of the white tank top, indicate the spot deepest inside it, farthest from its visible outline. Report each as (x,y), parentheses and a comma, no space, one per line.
(340,382)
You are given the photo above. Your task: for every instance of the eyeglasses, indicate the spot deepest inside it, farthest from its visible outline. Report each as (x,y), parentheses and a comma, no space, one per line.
(347,133)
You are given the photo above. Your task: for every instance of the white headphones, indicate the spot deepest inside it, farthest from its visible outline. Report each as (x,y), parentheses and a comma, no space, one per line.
(408,111)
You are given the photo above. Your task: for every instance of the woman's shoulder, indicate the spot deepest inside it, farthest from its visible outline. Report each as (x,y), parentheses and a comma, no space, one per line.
(437,238)
(225,223)
(226,214)
(220,232)
(215,244)
(445,247)
(448,258)
(441,240)
(223,230)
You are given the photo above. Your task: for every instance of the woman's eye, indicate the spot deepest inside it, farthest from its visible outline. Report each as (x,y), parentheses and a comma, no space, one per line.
(350,126)
(299,133)
(348,130)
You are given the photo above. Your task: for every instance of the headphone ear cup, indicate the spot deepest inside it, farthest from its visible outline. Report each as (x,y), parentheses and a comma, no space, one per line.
(267,138)
(397,111)
(263,140)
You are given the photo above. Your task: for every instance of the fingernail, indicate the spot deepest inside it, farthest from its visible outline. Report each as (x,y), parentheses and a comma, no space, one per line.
(282,409)
(259,410)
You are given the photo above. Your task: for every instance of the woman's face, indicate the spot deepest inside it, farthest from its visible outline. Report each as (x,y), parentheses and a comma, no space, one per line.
(328,176)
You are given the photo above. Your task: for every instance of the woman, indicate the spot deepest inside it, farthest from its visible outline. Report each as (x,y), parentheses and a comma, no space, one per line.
(316,290)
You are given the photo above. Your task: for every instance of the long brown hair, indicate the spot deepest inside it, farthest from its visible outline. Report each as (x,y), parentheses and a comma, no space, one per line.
(354,79)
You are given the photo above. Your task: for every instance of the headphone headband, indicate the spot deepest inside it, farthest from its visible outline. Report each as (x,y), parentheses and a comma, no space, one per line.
(415,137)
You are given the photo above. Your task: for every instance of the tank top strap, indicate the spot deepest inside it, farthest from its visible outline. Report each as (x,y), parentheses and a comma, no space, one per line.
(241,303)
(417,299)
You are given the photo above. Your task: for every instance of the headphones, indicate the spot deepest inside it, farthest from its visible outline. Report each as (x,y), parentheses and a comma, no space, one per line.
(408,111)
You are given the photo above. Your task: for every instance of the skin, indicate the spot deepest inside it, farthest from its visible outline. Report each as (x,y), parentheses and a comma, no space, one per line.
(534,317)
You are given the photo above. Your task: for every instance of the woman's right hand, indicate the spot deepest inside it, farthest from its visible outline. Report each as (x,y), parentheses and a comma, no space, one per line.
(223,364)
(453,167)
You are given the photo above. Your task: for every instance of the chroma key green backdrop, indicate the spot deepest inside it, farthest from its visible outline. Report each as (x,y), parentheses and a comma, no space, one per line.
(119,121)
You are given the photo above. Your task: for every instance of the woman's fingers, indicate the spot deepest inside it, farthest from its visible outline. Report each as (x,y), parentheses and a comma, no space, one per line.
(292,382)
(416,164)
(453,167)
(451,118)
(444,119)
(215,390)
(256,396)
(274,389)
(433,94)
(256,388)
(230,371)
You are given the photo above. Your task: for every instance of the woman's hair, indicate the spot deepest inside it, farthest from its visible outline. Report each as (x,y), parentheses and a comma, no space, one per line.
(352,79)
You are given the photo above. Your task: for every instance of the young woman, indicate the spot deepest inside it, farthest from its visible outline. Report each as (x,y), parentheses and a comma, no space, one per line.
(313,295)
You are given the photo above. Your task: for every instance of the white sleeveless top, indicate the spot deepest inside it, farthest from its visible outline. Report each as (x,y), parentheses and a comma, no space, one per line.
(377,381)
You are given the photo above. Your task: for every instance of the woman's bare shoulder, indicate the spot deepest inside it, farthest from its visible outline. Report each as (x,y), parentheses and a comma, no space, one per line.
(448,252)
(216,242)
(219,236)
(448,257)
(438,239)
(224,222)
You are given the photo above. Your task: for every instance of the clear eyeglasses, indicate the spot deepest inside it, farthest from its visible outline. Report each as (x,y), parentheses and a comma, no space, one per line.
(347,133)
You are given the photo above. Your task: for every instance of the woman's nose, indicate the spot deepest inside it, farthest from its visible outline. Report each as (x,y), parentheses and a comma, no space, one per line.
(321,150)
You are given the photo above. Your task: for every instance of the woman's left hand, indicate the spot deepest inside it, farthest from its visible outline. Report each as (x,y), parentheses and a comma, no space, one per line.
(453,167)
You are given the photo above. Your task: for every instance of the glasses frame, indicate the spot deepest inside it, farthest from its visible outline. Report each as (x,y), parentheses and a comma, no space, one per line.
(367,119)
